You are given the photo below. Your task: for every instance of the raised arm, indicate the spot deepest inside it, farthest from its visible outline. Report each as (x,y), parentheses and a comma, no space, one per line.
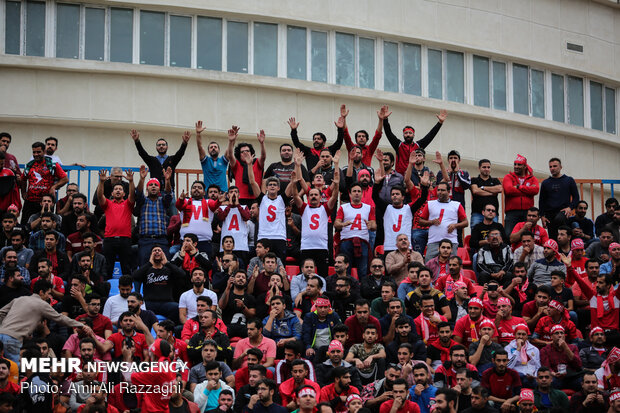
(333,199)
(143,173)
(444,172)
(135,135)
(263,153)
(201,150)
(426,140)
(295,137)
(230,150)
(103,176)
(408,182)
(132,188)
(167,176)
(348,142)
(249,159)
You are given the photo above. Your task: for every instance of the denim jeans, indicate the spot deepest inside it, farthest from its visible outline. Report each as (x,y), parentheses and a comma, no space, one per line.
(361,263)
(419,238)
(11,347)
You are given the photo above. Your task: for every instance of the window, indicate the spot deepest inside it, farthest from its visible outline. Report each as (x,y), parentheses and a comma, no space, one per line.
(481,81)
(35,28)
(557,97)
(520,86)
(596,105)
(455,78)
(366,64)
(12,22)
(152,38)
(209,53)
(121,35)
(575,101)
(180,41)
(345,59)
(499,85)
(390,67)
(538,93)
(412,69)
(296,52)
(265,49)
(68,31)
(435,67)
(94,34)
(319,56)
(237,47)
(610,110)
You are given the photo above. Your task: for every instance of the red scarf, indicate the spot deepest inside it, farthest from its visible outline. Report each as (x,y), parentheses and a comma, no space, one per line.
(189,262)
(188,210)
(600,308)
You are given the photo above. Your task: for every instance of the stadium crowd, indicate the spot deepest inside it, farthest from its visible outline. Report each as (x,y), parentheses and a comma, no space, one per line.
(314,284)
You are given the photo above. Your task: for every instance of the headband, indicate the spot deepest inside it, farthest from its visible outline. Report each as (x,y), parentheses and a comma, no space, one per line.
(475,302)
(306,391)
(153,181)
(504,301)
(526,395)
(351,398)
(557,327)
(557,305)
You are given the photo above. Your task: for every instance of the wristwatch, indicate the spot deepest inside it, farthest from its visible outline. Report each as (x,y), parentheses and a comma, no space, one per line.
(482,187)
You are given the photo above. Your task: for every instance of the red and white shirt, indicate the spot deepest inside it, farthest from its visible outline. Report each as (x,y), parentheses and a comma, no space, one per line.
(235,225)
(200,214)
(358,215)
(314,227)
(396,221)
(272,218)
(448,213)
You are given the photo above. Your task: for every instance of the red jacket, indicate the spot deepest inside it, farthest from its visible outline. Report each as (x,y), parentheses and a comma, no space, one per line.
(368,150)
(520,198)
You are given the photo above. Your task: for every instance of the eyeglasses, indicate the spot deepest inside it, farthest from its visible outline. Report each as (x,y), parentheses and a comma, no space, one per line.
(376,266)
(490,210)
(226,260)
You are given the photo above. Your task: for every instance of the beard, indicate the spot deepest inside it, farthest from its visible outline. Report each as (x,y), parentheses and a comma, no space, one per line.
(198,284)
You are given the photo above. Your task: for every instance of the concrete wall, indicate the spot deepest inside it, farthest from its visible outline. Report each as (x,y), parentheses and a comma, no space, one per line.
(90,106)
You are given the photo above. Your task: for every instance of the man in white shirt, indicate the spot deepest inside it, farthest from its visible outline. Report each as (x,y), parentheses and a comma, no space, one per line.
(117,304)
(187,302)
(354,220)
(445,218)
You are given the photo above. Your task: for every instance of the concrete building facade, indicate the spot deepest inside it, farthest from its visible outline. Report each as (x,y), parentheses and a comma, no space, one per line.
(536,77)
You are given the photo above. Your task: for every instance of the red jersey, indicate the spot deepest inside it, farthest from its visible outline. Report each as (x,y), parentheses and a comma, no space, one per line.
(506,329)
(118,218)
(75,243)
(57,283)
(529,309)
(540,235)
(244,188)
(367,150)
(41,176)
(288,387)
(192,326)
(469,330)
(543,328)
(504,385)
(101,323)
(162,383)
(407,407)
(445,284)
(328,393)
(11,387)
(138,339)
(426,329)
